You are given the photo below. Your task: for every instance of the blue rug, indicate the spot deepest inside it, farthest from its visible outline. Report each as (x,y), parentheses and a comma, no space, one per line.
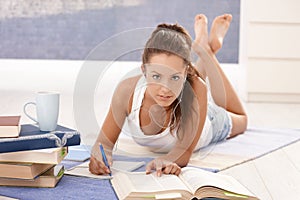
(70,187)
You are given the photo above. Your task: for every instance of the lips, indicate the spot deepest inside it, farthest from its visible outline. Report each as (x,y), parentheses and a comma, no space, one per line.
(164,97)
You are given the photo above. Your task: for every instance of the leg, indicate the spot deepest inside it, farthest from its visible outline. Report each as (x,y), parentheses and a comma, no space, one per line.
(218,31)
(222,91)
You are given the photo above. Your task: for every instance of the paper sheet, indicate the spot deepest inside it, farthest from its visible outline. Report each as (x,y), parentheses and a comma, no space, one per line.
(83,169)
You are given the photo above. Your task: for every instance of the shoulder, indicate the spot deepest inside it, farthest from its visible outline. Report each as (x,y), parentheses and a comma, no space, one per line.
(126,87)
(123,94)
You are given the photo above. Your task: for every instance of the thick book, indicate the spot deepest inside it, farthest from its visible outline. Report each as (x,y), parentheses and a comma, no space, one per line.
(23,170)
(31,138)
(192,182)
(42,156)
(48,179)
(9,126)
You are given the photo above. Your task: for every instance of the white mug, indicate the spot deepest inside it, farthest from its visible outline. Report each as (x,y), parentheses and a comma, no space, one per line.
(47,109)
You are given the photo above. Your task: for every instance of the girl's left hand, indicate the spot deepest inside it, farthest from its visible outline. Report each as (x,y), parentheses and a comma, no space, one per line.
(163,166)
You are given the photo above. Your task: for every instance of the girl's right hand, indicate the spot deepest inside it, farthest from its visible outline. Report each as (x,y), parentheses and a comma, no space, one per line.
(162,166)
(98,167)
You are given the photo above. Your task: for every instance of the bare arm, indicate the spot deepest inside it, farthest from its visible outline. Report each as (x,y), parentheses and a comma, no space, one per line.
(112,126)
(184,148)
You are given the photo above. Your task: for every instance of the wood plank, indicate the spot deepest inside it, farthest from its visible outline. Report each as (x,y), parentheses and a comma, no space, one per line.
(294,157)
(279,175)
(247,175)
(273,41)
(268,11)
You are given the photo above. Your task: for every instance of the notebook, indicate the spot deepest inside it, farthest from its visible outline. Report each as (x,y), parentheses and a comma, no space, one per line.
(123,166)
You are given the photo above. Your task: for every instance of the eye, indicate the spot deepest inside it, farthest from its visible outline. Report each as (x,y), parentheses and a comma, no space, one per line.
(156,77)
(175,78)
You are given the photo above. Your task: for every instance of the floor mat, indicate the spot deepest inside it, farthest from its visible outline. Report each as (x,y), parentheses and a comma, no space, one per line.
(255,142)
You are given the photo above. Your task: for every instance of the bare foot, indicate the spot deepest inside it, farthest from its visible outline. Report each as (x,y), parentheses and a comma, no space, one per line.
(218,31)
(200,28)
(201,41)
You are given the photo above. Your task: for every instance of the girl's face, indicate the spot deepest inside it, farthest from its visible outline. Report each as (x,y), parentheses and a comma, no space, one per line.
(165,75)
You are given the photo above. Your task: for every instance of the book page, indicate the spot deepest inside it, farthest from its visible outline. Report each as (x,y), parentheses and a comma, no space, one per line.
(6,198)
(83,169)
(117,165)
(155,183)
(48,150)
(139,185)
(84,172)
(196,178)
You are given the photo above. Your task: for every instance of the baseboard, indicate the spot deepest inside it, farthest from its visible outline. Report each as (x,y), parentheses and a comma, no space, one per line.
(273,97)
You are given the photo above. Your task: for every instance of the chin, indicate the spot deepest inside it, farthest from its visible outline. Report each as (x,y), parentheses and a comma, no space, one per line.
(165,103)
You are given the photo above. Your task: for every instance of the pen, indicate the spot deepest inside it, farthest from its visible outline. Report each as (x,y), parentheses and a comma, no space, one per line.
(104,158)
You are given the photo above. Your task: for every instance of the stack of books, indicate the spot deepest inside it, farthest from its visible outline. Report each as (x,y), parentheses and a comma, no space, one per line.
(31,158)
(35,168)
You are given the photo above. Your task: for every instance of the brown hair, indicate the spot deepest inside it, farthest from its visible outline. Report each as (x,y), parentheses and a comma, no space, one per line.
(173,39)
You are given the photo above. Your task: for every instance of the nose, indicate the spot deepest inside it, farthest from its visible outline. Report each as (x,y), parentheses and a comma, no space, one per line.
(164,88)
(166,84)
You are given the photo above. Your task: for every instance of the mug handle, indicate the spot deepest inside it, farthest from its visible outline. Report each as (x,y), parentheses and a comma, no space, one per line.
(24,110)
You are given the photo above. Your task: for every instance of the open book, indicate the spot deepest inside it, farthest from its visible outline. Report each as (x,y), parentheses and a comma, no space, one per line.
(192,182)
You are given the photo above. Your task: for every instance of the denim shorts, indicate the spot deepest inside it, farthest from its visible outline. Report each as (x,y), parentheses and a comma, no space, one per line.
(221,123)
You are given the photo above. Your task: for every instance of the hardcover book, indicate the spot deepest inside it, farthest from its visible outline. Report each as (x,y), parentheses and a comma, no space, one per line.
(31,138)
(22,170)
(192,182)
(49,179)
(9,126)
(42,156)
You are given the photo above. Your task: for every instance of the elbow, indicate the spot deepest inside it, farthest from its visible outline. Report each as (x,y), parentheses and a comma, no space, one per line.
(244,123)
(239,126)
(184,160)
(182,164)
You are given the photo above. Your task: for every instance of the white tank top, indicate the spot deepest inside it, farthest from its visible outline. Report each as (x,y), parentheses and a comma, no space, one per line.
(162,142)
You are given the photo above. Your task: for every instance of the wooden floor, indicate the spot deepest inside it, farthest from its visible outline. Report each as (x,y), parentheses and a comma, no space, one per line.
(274,176)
